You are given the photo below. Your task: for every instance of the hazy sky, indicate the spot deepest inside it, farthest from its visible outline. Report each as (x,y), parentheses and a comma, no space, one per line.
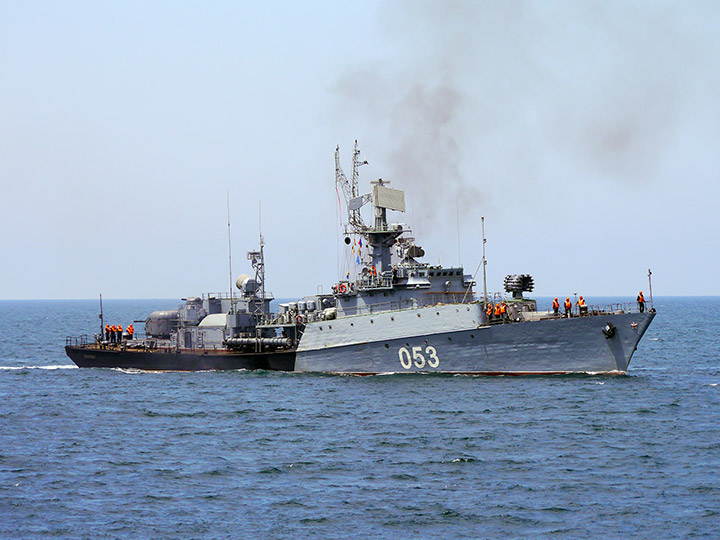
(587,134)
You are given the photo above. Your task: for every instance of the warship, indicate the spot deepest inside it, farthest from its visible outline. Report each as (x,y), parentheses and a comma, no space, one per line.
(215,331)
(391,313)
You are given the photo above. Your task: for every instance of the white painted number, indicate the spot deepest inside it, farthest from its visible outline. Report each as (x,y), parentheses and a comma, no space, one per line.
(417,358)
(405,358)
(417,354)
(434,360)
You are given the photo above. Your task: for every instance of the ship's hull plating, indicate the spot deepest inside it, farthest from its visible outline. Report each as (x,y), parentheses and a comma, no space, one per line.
(89,356)
(552,346)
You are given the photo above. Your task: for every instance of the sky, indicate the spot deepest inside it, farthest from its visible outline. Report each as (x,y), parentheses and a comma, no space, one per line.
(586,133)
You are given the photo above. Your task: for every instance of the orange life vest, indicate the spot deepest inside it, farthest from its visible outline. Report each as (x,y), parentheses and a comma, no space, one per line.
(112,328)
(556,304)
(119,328)
(568,303)
(641,298)
(497,310)
(503,308)
(130,330)
(489,309)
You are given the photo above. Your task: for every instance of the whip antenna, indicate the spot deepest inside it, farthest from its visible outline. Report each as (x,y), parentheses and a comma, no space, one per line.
(230,253)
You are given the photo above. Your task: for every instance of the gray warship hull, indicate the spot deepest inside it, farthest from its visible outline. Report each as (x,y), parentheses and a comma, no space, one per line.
(450,339)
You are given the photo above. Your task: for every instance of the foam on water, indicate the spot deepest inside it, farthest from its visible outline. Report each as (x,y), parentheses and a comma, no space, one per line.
(71,366)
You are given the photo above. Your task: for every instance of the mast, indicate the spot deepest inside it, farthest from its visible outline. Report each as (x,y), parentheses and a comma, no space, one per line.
(102,319)
(350,189)
(230,254)
(484,262)
(257,260)
(457,216)
(262,259)
(650,285)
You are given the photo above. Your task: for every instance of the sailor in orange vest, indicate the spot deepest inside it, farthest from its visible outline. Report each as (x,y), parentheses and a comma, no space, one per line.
(497,310)
(503,310)
(113,333)
(489,311)
(556,306)
(641,302)
(568,306)
(582,306)
(119,333)
(107,332)
(130,331)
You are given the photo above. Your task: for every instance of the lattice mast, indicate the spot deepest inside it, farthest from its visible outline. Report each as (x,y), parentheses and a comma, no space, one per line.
(350,189)
(257,260)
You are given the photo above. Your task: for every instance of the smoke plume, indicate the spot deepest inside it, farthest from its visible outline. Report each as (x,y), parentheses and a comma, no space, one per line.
(482,102)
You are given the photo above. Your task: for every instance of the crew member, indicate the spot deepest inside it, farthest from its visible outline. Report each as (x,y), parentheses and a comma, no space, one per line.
(568,306)
(119,333)
(107,332)
(556,306)
(130,331)
(489,312)
(503,310)
(113,333)
(582,306)
(497,311)
(641,302)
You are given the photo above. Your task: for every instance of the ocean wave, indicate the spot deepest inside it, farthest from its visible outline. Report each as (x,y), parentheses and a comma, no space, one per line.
(15,368)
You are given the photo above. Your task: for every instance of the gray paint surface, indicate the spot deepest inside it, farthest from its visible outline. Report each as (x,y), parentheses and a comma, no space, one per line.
(575,345)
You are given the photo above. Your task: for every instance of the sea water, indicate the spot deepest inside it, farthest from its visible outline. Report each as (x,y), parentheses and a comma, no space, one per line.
(102,453)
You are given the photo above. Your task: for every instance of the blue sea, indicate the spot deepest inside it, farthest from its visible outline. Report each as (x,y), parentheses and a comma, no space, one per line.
(101,453)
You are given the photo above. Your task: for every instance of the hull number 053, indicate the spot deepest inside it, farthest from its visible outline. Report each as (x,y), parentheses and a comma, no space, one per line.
(415,356)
